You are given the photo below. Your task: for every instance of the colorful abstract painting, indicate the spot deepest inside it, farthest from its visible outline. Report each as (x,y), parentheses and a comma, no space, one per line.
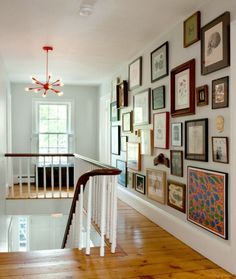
(207,200)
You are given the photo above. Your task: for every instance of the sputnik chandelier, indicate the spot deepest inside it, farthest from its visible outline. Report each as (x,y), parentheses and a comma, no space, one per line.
(48,85)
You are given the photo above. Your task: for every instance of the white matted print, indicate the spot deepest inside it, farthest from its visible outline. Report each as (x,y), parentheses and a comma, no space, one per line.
(161,130)
(146,142)
(182,90)
(142,108)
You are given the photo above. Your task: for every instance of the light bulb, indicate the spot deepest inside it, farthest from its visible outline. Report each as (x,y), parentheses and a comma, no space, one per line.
(26,88)
(60,93)
(44,95)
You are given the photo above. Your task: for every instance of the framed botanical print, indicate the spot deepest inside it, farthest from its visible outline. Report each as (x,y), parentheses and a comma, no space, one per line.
(202,95)
(220,151)
(158,98)
(207,200)
(192,26)
(156,185)
(123,143)
(140,183)
(215,44)
(146,137)
(176,195)
(176,162)
(220,93)
(183,89)
(122,94)
(196,140)
(176,134)
(160,62)
(135,74)
(115,140)
(133,156)
(142,108)
(127,122)
(122,178)
(130,179)
(161,129)
(114,112)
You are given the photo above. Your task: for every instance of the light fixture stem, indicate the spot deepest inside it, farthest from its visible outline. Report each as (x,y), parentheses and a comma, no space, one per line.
(47,67)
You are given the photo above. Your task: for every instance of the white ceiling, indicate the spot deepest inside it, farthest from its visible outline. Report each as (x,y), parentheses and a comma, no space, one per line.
(86,49)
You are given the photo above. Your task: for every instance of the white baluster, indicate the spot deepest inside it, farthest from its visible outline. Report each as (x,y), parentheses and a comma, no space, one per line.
(88,217)
(36,179)
(114,215)
(44,178)
(52,176)
(20,176)
(103,216)
(108,208)
(60,176)
(81,199)
(28,176)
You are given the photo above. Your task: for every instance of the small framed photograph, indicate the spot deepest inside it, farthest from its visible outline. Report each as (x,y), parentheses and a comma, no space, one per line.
(122,94)
(123,143)
(176,162)
(133,156)
(140,183)
(122,178)
(160,62)
(115,140)
(156,185)
(215,44)
(161,129)
(183,89)
(196,140)
(176,195)
(220,93)
(130,179)
(127,122)
(135,74)
(202,95)
(177,134)
(142,108)
(146,137)
(114,112)
(220,151)
(192,27)
(158,98)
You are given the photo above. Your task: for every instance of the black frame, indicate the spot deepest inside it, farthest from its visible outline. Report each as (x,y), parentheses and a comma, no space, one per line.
(122,88)
(144,183)
(224,104)
(116,152)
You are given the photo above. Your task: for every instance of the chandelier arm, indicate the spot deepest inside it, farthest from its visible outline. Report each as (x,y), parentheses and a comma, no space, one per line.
(55,82)
(56,91)
(32,88)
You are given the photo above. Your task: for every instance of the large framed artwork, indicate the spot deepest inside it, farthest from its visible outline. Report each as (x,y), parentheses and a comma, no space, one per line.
(220,152)
(176,134)
(122,94)
(142,108)
(115,140)
(160,62)
(135,74)
(176,162)
(158,98)
(207,200)
(161,129)
(196,140)
(122,178)
(114,112)
(156,185)
(146,137)
(183,89)
(127,122)
(215,44)
(176,195)
(139,183)
(220,93)
(133,156)
(192,26)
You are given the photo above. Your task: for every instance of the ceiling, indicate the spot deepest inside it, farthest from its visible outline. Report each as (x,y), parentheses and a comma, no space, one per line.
(86,49)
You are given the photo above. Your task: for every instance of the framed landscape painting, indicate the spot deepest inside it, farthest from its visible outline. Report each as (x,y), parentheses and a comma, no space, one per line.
(135,74)
(122,178)
(176,195)
(156,185)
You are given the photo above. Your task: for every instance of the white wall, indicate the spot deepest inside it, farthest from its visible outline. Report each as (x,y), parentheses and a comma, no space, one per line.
(211,246)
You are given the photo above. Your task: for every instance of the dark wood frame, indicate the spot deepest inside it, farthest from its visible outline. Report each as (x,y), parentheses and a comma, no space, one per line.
(114,104)
(122,89)
(137,165)
(140,73)
(181,160)
(198,26)
(144,183)
(191,109)
(118,139)
(225,19)
(130,113)
(167,129)
(125,174)
(198,91)
(181,133)
(166,45)
(197,157)
(148,91)
(183,186)
(163,96)
(227,150)
(225,104)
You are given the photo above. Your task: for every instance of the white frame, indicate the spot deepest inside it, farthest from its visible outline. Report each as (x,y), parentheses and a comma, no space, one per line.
(146,142)
(142,108)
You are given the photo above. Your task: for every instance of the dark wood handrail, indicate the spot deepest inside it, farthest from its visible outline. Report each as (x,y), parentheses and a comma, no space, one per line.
(39,155)
(82,181)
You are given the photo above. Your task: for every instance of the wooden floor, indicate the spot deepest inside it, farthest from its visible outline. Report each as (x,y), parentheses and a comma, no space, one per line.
(145,251)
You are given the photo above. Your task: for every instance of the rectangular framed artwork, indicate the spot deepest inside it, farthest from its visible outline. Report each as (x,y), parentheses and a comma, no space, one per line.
(192,26)
(123,143)
(158,98)
(202,95)
(176,162)
(122,178)
(156,185)
(220,152)
(146,137)
(161,130)
(142,108)
(130,179)
(133,156)
(177,134)
(122,94)
(140,183)
(176,195)
(115,140)
(220,93)
(127,122)
(114,112)
(135,74)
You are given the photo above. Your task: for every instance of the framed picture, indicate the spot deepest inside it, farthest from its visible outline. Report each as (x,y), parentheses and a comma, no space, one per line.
(220,151)
(183,89)
(123,143)
(215,44)
(202,95)
(220,93)
(130,179)
(176,162)
(161,129)
(122,178)
(133,156)
(114,112)
(142,108)
(196,140)
(156,185)
(176,195)
(146,137)
(160,62)
(135,74)
(158,98)
(115,140)
(207,200)
(122,94)
(192,26)
(176,134)
(140,183)
(127,122)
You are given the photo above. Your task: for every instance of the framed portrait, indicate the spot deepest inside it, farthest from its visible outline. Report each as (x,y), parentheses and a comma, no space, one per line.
(177,134)
(122,94)
(156,185)
(176,162)
(215,44)
(161,129)
(135,73)
(220,93)
(146,137)
(142,108)
(158,98)
(202,95)
(123,143)
(139,183)
(160,62)
(220,151)
(114,112)
(192,26)
(122,178)
(127,122)
(133,156)
(115,140)
(130,179)
(183,89)
(207,200)
(176,195)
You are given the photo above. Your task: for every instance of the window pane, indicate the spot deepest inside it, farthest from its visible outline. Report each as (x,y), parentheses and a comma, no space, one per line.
(43,140)
(43,126)
(53,141)
(62,126)
(52,113)
(43,150)
(63,141)
(43,111)
(52,126)
(62,112)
